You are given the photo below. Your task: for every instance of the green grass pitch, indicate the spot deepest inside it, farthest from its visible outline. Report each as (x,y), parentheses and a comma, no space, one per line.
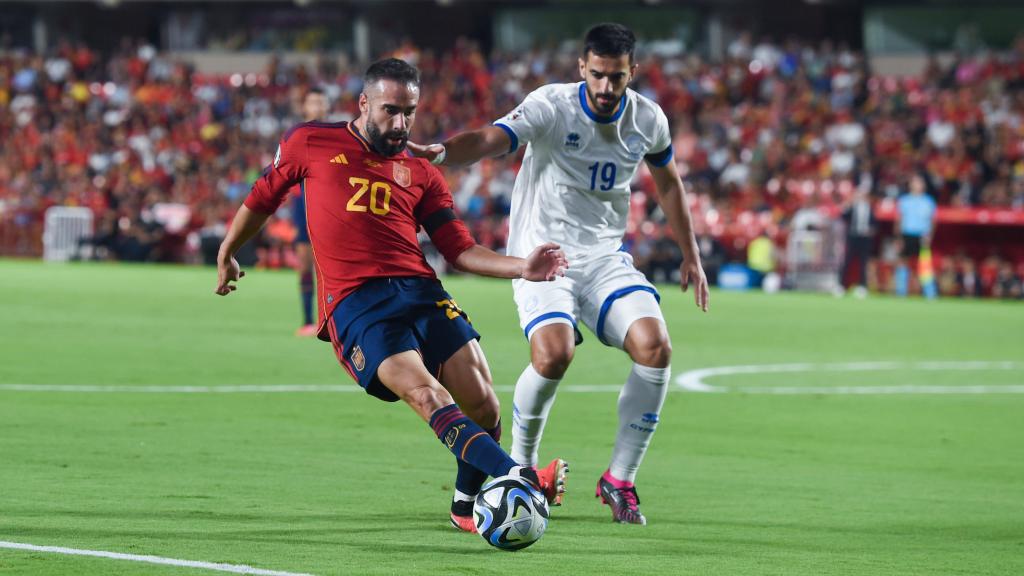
(340,483)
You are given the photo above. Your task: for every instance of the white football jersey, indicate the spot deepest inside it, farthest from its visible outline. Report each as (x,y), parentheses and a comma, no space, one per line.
(573,187)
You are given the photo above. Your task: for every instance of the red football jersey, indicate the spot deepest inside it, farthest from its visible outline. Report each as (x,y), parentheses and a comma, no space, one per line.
(363,210)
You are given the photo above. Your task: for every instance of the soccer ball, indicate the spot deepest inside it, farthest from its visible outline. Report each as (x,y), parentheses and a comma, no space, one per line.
(510,514)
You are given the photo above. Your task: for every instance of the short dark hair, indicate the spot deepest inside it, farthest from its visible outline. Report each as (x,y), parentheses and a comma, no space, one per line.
(391,69)
(314,90)
(609,39)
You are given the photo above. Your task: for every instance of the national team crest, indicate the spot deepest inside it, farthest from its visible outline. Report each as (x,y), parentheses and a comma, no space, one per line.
(635,147)
(402,174)
(358,360)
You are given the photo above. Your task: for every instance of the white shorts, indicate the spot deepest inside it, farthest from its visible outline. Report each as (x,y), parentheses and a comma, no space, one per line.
(607,293)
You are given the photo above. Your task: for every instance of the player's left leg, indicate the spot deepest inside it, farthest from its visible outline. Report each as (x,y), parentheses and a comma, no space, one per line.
(304,255)
(639,407)
(623,312)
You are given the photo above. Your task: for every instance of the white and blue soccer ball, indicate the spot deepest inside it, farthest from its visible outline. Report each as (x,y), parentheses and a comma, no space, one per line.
(510,514)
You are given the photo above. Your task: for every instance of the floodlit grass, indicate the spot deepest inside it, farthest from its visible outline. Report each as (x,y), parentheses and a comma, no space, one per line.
(337,483)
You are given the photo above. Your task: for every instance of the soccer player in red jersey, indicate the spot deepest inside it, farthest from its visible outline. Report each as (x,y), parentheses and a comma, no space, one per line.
(393,326)
(314,108)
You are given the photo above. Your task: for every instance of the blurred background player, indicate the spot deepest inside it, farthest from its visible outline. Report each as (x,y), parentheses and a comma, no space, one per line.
(585,142)
(393,326)
(314,109)
(859,217)
(915,221)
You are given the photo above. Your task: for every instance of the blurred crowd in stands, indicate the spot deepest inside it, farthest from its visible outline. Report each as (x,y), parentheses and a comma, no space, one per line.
(163,155)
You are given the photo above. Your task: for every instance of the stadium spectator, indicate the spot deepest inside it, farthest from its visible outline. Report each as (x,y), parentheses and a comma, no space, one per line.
(760,259)
(772,128)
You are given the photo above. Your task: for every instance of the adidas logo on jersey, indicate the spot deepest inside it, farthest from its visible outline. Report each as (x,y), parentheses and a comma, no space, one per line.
(572,141)
(339,159)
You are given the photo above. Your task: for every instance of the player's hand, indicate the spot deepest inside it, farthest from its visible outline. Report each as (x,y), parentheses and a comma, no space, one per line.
(227,271)
(545,263)
(429,152)
(691,271)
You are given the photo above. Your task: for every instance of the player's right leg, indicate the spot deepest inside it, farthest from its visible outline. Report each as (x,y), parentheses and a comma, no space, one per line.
(547,314)
(468,378)
(551,350)
(381,349)
(407,378)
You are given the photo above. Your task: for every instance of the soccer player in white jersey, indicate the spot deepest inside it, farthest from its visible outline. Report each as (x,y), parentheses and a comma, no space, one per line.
(584,142)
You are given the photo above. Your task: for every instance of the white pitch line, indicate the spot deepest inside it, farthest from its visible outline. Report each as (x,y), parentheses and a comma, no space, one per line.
(233,568)
(694,380)
(689,381)
(246,389)
(249,388)
(905,389)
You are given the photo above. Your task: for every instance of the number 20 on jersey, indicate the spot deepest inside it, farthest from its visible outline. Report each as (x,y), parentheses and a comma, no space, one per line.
(378,203)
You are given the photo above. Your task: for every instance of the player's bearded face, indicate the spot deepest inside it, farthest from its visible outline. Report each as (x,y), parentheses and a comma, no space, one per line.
(388,143)
(607,78)
(390,108)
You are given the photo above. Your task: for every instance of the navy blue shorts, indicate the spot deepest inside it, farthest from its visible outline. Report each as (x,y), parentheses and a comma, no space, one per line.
(386,316)
(299,218)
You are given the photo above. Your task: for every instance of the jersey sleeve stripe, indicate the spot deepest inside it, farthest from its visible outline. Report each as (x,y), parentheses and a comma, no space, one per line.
(660,158)
(511,136)
(437,219)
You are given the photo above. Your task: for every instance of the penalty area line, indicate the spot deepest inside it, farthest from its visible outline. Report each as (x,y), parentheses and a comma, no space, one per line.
(219,567)
(695,380)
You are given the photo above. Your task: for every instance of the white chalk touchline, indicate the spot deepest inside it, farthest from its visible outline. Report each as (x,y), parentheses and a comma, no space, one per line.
(249,388)
(694,380)
(233,568)
(246,389)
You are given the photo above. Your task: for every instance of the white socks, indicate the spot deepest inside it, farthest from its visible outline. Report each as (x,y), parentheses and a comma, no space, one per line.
(639,406)
(531,404)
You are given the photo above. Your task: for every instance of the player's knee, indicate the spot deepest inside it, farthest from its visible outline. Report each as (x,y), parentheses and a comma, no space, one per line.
(485,410)
(552,362)
(425,398)
(654,350)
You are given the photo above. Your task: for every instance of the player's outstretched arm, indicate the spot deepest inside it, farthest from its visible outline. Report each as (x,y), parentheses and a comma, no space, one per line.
(672,198)
(245,225)
(545,263)
(465,148)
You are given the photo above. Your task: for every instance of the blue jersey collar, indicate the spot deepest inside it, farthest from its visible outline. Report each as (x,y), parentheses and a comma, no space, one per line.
(593,115)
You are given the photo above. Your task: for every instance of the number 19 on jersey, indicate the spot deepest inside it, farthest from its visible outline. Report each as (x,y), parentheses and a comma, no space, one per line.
(607,174)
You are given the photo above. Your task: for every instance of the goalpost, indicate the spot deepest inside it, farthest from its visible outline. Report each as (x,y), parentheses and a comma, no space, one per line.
(814,252)
(63,231)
